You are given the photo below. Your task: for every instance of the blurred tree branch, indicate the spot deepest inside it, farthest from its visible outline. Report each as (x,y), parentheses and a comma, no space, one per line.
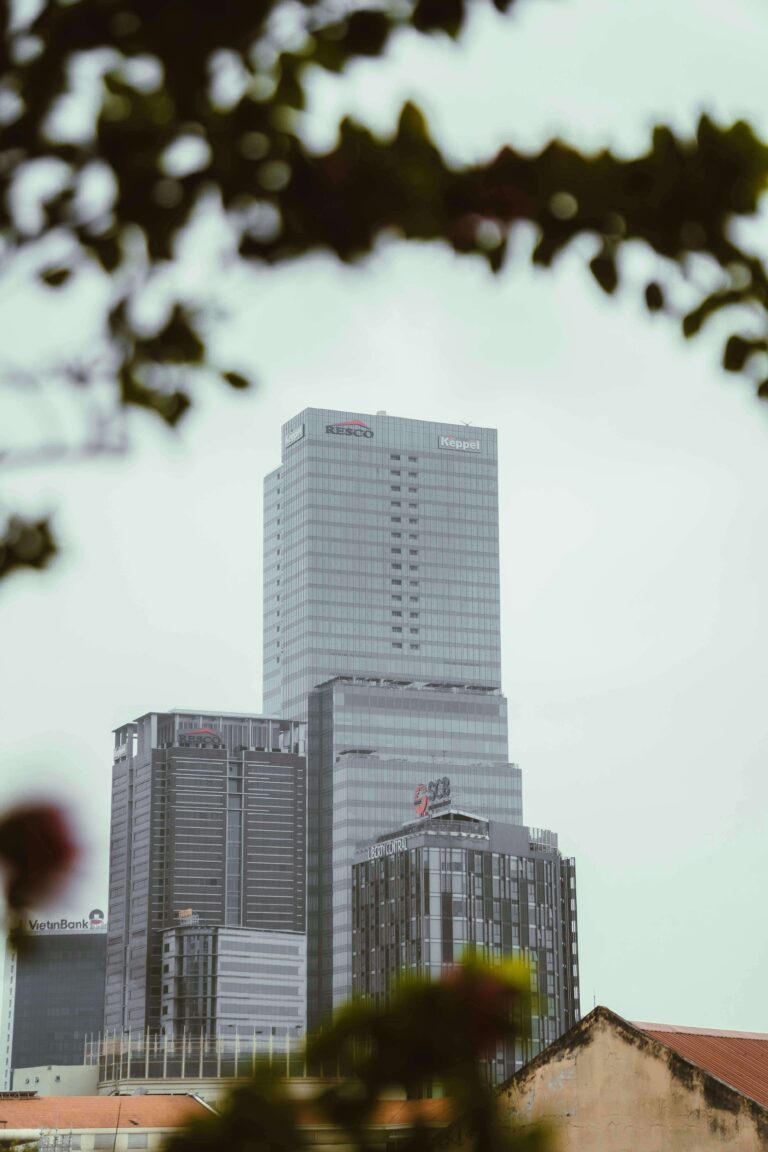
(192,103)
(428,1035)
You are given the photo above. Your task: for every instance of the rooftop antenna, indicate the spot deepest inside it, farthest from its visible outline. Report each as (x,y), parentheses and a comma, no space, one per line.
(466,423)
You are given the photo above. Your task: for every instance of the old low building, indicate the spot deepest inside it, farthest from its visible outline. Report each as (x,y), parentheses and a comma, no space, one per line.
(611,1085)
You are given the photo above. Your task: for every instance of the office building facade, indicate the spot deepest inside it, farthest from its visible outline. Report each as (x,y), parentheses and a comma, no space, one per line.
(374,744)
(237,983)
(381,555)
(208,820)
(56,989)
(450,883)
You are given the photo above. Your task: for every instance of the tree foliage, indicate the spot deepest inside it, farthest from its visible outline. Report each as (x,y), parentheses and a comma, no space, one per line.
(193,103)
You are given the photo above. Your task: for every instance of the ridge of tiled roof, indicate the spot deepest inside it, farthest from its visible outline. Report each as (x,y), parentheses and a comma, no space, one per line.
(739,1059)
(686,1030)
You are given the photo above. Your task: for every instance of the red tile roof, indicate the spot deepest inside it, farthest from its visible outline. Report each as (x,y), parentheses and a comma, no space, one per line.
(737,1058)
(151,1111)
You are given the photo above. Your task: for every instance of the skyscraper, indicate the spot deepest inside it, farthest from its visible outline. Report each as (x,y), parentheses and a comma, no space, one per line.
(372,745)
(382,626)
(207,874)
(381,555)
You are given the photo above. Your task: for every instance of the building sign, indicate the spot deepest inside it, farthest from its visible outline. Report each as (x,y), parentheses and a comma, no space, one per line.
(93,922)
(389,848)
(294,435)
(350,428)
(435,794)
(458,445)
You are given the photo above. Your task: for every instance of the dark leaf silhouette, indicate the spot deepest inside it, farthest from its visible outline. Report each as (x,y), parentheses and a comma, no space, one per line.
(197,105)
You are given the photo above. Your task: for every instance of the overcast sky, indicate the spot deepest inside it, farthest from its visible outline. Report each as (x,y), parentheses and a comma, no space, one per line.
(633,510)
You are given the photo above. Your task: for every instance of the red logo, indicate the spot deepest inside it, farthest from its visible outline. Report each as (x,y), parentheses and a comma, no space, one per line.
(421,799)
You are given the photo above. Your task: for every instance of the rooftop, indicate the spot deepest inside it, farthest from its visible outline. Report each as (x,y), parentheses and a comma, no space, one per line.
(110,1112)
(739,1059)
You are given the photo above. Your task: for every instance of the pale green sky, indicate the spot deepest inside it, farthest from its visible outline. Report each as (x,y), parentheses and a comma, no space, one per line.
(634,498)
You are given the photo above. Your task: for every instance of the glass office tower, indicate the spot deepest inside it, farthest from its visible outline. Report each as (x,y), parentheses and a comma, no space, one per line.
(208,821)
(381,555)
(381,751)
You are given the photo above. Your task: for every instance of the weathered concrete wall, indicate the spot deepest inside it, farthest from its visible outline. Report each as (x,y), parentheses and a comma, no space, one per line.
(611,1089)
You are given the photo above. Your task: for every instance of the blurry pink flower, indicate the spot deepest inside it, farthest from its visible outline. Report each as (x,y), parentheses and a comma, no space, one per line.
(37,850)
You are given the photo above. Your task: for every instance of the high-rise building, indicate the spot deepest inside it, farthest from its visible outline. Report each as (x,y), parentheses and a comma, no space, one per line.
(381,555)
(372,744)
(53,993)
(382,626)
(450,883)
(207,846)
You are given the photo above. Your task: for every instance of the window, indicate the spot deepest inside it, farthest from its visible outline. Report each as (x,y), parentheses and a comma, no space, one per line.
(413,552)
(415,647)
(396,566)
(412,536)
(413,567)
(396,535)
(395,644)
(396,597)
(395,613)
(395,519)
(412,475)
(413,599)
(394,504)
(413,583)
(394,487)
(394,471)
(396,629)
(397,581)
(413,631)
(396,551)
(394,456)
(413,490)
